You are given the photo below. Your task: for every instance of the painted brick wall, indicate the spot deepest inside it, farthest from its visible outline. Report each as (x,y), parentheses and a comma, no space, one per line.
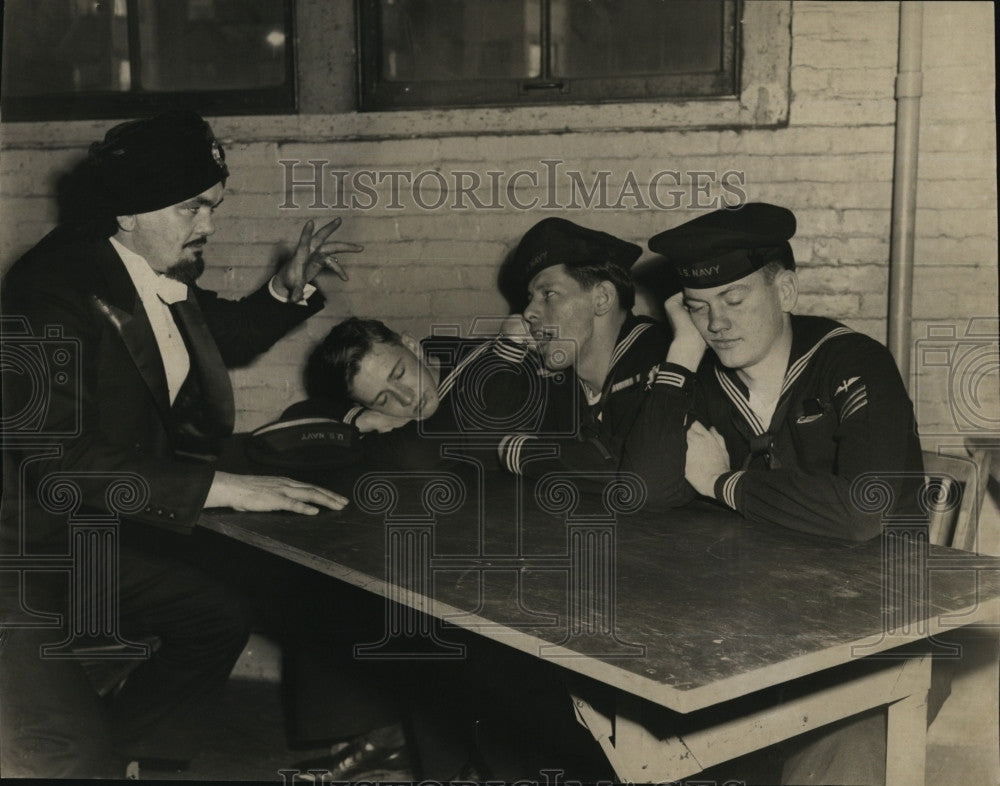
(832,165)
(955,278)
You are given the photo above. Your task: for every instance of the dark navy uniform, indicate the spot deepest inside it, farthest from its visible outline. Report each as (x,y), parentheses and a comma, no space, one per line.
(840,449)
(487,389)
(584,430)
(595,430)
(843,414)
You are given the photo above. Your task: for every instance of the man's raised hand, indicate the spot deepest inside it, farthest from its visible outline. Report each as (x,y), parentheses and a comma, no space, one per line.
(313,254)
(687,346)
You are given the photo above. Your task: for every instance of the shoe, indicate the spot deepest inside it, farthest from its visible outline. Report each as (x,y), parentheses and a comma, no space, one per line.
(380,752)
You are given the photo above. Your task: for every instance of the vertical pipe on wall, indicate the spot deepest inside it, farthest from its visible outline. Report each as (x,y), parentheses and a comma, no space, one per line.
(909,87)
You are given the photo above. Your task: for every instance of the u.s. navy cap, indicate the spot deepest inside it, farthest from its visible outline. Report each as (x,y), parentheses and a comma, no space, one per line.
(557,241)
(725,245)
(145,165)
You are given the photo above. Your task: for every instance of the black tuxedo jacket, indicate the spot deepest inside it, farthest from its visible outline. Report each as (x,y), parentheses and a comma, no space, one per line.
(85,392)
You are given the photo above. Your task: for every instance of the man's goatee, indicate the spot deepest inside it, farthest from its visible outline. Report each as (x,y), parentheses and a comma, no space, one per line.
(187,271)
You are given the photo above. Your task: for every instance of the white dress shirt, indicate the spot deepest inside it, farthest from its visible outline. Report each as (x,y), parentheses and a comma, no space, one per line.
(157,292)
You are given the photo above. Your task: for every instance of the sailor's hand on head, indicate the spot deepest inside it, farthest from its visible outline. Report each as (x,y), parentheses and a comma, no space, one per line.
(687,347)
(313,254)
(707,458)
(268,493)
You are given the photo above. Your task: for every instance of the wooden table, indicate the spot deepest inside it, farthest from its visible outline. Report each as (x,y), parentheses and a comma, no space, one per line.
(693,616)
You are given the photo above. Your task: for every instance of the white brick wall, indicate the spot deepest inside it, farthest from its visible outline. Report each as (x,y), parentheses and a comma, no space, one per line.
(832,165)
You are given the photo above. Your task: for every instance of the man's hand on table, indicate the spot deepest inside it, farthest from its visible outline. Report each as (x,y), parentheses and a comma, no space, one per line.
(707,458)
(265,493)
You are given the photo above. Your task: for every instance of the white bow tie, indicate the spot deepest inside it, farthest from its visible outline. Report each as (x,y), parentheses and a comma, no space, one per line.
(170,290)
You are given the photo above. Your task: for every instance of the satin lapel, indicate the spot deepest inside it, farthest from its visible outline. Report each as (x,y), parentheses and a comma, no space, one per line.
(121,306)
(205,358)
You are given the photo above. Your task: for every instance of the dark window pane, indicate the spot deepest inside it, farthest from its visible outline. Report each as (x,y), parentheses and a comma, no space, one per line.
(441,40)
(61,46)
(211,44)
(635,37)
(71,59)
(438,53)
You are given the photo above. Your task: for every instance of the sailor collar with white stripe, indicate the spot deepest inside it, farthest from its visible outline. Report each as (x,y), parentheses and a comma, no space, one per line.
(808,335)
(446,384)
(632,328)
(630,331)
(450,379)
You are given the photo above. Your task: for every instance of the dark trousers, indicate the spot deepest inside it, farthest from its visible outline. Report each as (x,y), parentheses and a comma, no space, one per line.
(506,712)
(53,725)
(329,693)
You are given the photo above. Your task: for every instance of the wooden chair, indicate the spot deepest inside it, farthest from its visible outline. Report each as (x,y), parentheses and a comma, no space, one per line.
(957,486)
(958,483)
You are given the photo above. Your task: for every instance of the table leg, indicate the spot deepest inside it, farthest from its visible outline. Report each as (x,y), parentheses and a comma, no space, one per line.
(640,756)
(906,740)
(965,736)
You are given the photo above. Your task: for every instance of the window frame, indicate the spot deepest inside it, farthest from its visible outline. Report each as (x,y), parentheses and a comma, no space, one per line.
(103,104)
(327,85)
(378,95)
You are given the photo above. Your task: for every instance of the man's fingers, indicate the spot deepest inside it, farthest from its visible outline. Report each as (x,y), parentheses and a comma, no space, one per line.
(294,492)
(697,428)
(306,236)
(332,263)
(676,311)
(295,506)
(706,436)
(285,502)
(316,495)
(340,247)
(676,300)
(325,231)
